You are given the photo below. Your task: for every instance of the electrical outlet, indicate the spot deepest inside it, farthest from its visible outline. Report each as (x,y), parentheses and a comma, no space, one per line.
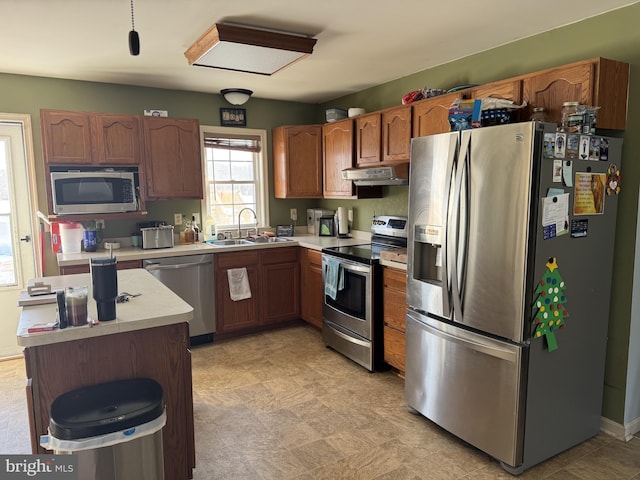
(100,224)
(293,214)
(177,219)
(196,215)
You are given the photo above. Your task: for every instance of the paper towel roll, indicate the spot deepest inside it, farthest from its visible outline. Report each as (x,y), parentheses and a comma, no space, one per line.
(343,221)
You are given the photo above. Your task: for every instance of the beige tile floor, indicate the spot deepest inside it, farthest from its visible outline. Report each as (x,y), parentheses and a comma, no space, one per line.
(279,405)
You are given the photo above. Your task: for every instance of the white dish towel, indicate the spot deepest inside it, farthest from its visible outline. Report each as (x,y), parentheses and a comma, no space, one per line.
(239,288)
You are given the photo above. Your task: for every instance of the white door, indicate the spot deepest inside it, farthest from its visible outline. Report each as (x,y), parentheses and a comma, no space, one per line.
(17,242)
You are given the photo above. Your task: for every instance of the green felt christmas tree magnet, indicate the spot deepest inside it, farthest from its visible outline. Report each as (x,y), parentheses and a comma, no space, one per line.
(549,303)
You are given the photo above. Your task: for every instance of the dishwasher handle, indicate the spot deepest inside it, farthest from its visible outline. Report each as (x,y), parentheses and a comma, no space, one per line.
(158,266)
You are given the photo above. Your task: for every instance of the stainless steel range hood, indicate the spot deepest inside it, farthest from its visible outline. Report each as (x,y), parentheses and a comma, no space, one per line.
(383,175)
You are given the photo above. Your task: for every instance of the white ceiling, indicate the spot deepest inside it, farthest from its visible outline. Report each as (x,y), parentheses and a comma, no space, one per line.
(361,43)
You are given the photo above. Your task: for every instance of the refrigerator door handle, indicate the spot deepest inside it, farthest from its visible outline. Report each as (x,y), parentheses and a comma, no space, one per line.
(447,213)
(461,239)
(478,345)
(456,219)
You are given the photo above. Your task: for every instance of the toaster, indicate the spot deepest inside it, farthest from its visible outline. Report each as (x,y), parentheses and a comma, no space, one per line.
(157,237)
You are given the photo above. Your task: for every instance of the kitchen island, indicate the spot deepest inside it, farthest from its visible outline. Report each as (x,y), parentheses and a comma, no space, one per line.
(149,338)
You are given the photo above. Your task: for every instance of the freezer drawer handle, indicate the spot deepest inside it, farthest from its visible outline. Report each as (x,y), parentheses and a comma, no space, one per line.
(156,266)
(480,347)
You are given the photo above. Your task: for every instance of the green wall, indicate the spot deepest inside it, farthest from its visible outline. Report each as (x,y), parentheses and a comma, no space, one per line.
(614,35)
(27,94)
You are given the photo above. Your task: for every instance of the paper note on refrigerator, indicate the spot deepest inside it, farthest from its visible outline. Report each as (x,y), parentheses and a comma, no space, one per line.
(555,215)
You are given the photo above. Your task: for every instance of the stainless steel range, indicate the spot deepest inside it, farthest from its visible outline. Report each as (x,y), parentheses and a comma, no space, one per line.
(352,280)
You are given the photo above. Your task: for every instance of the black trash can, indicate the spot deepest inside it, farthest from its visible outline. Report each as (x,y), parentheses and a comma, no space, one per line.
(114,428)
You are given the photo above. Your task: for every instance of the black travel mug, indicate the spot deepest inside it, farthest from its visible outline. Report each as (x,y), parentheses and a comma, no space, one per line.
(104,277)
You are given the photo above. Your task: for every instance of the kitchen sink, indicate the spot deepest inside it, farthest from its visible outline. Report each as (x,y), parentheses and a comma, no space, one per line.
(231,241)
(247,241)
(268,240)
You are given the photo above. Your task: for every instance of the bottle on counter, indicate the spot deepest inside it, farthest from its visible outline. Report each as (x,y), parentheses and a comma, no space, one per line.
(188,233)
(196,230)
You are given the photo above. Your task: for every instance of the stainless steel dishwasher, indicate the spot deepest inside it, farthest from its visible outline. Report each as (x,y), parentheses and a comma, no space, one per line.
(191,278)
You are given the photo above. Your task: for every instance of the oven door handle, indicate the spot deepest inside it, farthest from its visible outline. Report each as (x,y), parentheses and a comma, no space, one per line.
(352,267)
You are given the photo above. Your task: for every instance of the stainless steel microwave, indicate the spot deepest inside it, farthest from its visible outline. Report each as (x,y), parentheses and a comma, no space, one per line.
(94,191)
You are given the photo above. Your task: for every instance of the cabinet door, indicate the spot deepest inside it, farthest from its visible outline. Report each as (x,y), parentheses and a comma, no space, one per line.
(66,137)
(551,88)
(281,292)
(116,139)
(394,308)
(311,286)
(337,146)
(280,278)
(396,135)
(236,315)
(368,140)
(297,161)
(173,166)
(431,116)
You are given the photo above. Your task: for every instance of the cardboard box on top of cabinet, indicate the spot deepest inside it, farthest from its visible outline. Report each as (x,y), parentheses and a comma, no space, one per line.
(465,114)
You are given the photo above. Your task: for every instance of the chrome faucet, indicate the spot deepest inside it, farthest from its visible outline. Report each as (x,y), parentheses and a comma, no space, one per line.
(254,216)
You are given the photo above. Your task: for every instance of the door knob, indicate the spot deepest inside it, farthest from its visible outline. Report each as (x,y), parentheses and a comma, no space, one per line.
(26,238)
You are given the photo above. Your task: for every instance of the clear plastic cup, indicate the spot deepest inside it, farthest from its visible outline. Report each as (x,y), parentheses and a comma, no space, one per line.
(75,299)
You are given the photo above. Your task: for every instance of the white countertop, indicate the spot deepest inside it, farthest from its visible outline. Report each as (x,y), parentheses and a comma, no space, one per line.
(156,306)
(130,253)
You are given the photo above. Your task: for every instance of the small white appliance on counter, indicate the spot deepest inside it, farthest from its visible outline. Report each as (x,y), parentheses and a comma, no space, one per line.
(313,219)
(156,235)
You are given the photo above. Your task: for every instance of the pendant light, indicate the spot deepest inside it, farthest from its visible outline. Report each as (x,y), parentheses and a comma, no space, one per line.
(134,38)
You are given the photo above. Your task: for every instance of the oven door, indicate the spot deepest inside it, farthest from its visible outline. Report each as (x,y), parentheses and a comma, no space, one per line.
(352,307)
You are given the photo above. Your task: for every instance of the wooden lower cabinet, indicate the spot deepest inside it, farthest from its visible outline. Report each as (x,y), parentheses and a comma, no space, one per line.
(241,314)
(280,284)
(395,305)
(160,353)
(123,265)
(274,280)
(311,286)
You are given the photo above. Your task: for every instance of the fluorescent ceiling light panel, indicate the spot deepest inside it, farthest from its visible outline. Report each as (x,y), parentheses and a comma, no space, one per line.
(245,49)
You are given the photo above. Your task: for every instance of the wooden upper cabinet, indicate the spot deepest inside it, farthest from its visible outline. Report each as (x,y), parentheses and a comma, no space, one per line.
(173,162)
(297,161)
(338,151)
(396,134)
(116,139)
(431,116)
(384,137)
(86,138)
(368,139)
(66,137)
(598,82)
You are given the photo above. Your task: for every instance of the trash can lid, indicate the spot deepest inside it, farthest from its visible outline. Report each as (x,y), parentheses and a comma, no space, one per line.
(105,408)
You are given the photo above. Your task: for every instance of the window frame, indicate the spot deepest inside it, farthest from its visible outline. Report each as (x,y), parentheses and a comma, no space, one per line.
(261,166)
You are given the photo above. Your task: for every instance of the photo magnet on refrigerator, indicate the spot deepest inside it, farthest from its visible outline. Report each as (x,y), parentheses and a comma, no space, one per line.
(613,180)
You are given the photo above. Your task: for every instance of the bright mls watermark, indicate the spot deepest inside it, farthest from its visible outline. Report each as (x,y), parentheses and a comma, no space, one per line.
(40,467)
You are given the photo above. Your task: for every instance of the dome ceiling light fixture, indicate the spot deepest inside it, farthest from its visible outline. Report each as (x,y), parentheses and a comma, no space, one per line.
(236,96)
(248,49)
(134,38)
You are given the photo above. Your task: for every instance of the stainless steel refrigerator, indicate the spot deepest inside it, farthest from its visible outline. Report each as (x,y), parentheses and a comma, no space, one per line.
(490,210)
